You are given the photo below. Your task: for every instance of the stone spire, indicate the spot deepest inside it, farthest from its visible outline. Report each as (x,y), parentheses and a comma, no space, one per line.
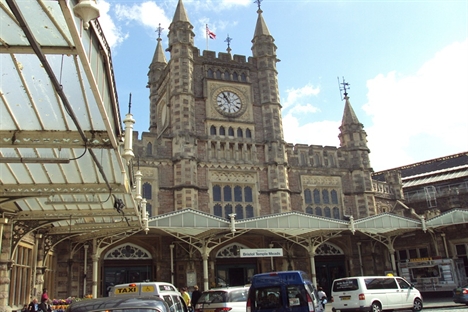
(180,30)
(353,137)
(180,15)
(156,69)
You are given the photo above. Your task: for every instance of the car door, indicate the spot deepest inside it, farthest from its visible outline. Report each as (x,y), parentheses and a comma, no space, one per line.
(406,293)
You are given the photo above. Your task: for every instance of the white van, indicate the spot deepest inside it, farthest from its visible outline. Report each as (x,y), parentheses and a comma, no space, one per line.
(374,293)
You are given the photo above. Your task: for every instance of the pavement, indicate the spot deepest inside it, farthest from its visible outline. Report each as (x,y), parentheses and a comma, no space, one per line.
(430,301)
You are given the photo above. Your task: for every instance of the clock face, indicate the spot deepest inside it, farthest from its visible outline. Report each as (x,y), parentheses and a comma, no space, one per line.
(228,102)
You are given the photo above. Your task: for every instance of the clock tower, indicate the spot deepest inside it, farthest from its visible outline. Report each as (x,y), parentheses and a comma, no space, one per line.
(216,139)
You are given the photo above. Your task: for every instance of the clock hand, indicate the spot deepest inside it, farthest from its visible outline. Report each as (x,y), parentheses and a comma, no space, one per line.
(226,98)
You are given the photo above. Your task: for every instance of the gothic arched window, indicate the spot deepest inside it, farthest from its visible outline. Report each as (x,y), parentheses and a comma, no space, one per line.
(327,212)
(237,193)
(218,74)
(235,76)
(218,210)
(318,211)
(210,73)
(149,149)
(230,131)
(309,210)
(227,193)
(248,133)
(239,212)
(227,76)
(217,193)
(222,131)
(239,133)
(243,77)
(334,197)
(326,199)
(147,190)
(213,130)
(316,196)
(308,196)
(336,213)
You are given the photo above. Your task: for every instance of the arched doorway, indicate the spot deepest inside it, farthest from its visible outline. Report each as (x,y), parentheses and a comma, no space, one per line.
(126,263)
(329,265)
(231,269)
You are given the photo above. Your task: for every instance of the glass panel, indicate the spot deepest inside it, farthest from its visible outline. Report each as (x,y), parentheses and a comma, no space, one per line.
(237,194)
(213,130)
(308,196)
(336,213)
(248,133)
(334,197)
(227,210)
(218,210)
(316,196)
(309,210)
(249,211)
(222,131)
(239,133)
(217,193)
(239,212)
(326,199)
(227,193)
(327,212)
(248,194)
(318,211)
(147,190)
(231,131)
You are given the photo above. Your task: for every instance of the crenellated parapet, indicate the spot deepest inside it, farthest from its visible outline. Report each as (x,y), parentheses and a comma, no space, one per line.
(317,156)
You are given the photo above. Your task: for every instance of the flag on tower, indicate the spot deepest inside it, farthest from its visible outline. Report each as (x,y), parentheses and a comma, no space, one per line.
(209,33)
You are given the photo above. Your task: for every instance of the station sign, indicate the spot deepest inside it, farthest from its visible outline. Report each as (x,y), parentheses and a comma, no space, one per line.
(251,253)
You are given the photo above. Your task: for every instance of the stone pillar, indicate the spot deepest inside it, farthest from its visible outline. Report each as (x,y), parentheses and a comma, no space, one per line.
(95,259)
(5,262)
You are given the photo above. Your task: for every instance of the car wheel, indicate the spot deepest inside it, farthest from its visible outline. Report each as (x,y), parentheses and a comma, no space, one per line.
(375,307)
(417,304)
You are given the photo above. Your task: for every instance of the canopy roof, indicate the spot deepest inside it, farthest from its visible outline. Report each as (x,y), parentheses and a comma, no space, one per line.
(60,127)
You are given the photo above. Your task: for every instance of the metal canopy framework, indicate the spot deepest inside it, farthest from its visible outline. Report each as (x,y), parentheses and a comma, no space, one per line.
(60,130)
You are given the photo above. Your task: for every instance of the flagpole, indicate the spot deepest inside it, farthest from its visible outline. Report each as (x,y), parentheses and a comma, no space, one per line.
(206,35)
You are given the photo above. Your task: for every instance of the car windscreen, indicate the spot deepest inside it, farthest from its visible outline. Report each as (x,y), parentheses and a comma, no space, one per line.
(239,295)
(213,297)
(349,284)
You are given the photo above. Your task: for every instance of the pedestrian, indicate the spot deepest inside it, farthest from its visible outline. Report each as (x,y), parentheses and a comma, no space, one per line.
(45,296)
(33,306)
(322,296)
(196,294)
(186,296)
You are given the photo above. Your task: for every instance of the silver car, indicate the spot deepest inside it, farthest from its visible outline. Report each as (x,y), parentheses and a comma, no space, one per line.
(228,299)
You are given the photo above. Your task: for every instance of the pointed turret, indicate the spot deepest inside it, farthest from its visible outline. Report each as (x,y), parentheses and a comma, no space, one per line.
(353,138)
(180,15)
(180,30)
(261,28)
(156,69)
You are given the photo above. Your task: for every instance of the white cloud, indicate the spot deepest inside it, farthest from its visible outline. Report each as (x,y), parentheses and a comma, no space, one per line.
(296,96)
(422,116)
(147,13)
(114,35)
(297,106)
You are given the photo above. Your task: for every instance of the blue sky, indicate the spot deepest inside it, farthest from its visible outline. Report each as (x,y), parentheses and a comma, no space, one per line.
(406,63)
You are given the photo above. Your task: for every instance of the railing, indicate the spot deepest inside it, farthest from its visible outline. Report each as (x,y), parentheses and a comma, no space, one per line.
(440,191)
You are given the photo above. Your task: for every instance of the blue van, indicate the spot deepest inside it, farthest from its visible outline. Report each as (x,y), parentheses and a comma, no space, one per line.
(286,291)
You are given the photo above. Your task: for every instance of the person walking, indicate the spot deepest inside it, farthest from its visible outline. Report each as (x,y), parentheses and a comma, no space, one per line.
(196,294)
(186,296)
(45,295)
(322,296)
